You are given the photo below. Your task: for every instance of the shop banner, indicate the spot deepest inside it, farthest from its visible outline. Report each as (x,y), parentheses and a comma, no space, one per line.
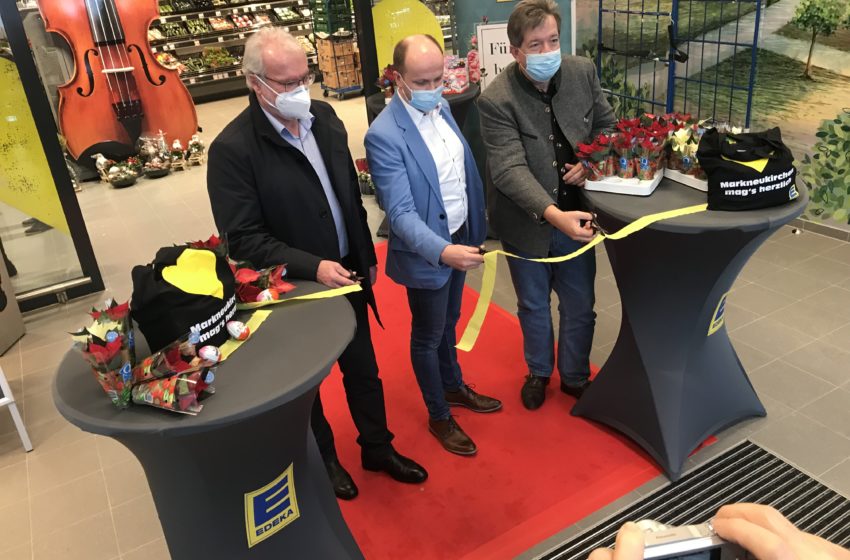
(11,322)
(396,19)
(494,49)
(26,182)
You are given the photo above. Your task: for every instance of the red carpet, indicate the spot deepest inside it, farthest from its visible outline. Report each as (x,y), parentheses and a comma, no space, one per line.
(535,472)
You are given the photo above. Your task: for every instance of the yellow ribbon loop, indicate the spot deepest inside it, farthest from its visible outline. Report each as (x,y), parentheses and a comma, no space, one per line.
(488,283)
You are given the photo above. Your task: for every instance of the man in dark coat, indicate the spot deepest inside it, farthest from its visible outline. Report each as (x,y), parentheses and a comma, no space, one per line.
(284,190)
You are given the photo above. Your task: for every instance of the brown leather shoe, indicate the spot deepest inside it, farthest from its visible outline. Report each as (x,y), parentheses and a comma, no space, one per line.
(475,402)
(452,438)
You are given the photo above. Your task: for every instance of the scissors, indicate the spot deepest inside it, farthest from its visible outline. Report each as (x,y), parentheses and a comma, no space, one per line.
(595,223)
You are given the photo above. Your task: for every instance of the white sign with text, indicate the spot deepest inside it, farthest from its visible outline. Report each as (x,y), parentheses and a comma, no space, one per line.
(494,49)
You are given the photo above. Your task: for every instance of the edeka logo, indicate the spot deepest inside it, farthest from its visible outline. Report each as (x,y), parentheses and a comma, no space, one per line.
(719,316)
(271,508)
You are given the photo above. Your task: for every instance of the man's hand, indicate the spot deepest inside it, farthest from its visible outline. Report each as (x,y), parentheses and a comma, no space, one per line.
(629,545)
(575,175)
(373,274)
(570,223)
(333,275)
(768,535)
(462,257)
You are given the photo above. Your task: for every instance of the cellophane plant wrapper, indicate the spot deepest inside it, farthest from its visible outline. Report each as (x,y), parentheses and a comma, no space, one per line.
(108,346)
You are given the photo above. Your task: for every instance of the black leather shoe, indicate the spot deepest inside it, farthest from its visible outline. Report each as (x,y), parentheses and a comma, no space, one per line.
(534,391)
(343,484)
(575,390)
(397,466)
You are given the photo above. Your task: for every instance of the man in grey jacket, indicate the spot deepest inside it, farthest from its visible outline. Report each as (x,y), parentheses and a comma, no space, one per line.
(533,115)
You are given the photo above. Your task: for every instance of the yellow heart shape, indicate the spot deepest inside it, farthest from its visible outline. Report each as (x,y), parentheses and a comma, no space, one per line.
(195,273)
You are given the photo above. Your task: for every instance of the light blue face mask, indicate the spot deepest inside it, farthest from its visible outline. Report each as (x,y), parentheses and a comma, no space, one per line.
(425,100)
(541,67)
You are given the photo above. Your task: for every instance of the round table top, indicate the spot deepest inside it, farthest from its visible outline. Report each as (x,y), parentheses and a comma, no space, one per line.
(287,356)
(670,195)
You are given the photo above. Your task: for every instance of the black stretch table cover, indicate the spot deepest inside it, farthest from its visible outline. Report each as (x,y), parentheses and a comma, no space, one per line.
(669,382)
(200,468)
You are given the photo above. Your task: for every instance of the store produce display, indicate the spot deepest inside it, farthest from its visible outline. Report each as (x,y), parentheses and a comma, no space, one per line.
(242,21)
(205,37)
(221,24)
(173,30)
(198,26)
(217,57)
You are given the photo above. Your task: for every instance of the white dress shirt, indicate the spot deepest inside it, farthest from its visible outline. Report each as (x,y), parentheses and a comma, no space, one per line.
(305,142)
(447,151)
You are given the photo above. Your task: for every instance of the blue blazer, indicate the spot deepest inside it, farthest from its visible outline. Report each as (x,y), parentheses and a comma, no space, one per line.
(408,188)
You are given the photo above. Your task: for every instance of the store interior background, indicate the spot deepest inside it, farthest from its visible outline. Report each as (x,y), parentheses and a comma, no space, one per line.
(77,495)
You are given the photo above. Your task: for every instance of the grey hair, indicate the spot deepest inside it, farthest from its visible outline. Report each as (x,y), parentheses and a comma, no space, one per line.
(252,59)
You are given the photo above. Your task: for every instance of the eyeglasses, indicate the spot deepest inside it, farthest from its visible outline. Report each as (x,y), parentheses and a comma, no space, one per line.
(306,80)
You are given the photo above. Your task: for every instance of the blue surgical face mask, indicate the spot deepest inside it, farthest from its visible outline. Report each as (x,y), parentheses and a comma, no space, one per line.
(425,100)
(541,67)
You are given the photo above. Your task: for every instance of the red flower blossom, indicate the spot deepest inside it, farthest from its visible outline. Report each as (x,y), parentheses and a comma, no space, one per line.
(246,275)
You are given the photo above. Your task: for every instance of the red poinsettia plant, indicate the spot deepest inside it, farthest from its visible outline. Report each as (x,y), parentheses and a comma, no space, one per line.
(623,150)
(113,311)
(250,283)
(596,157)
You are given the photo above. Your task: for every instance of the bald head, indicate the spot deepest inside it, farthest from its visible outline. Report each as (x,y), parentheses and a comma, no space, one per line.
(414,48)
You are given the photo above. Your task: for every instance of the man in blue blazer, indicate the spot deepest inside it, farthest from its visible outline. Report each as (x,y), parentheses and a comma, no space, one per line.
(429,186)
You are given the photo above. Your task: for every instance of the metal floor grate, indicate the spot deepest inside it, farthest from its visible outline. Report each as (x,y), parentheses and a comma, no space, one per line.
(745,473)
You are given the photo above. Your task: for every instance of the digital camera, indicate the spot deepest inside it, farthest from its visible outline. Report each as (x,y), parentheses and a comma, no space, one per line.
(688,542)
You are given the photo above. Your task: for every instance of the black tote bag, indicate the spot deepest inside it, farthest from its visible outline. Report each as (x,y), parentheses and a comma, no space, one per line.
(747,171)
(182,288)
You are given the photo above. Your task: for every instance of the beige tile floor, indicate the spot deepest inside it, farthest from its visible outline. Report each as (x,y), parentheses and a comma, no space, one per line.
(78,496)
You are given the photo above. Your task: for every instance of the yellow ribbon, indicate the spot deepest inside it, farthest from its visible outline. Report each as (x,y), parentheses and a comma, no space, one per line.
(334,292)
(253,325)
(259,316)
(473,328)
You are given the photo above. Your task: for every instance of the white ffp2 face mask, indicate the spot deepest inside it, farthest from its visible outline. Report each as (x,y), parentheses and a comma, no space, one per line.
(293,104)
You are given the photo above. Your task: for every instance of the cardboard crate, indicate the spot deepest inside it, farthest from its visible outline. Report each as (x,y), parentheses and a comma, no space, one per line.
(342,79)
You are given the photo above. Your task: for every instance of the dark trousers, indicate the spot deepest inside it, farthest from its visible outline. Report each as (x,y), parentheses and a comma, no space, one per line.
(363,391)
(434,315)
(432,342)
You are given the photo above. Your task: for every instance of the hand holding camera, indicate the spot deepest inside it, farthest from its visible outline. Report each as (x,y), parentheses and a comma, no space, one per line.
(737,532)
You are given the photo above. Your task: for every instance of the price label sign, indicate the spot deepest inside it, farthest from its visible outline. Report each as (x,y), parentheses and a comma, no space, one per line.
(241,35)
(183,18)
(197,43)
(170,46)
(217,12)
(191,80)
(221,39)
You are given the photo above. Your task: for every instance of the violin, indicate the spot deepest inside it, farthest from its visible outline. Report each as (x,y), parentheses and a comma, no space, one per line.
(119,90)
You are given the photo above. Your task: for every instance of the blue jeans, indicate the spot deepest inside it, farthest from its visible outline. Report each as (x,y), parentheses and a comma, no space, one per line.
(573,283)
(432,341)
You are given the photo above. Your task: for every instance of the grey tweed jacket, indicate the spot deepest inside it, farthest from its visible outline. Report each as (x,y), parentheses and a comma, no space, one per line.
(516,129)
